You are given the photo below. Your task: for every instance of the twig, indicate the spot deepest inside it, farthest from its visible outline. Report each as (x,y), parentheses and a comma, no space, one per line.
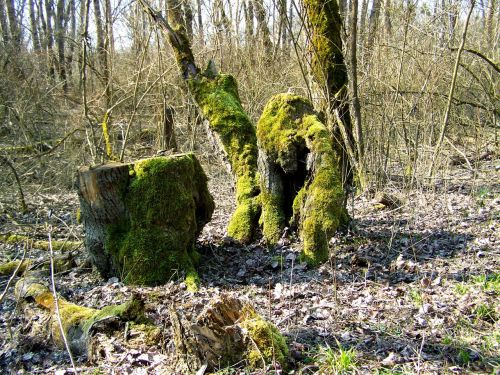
(22,201)
(452,91)
(4,293)
(56,301)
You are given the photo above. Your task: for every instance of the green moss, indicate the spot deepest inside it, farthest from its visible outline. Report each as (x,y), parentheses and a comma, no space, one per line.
(267,344)
(39,244)
(8,268)
(220,103)
(192,280)
(168,203)
(273,218)
(289,125)
(327,63)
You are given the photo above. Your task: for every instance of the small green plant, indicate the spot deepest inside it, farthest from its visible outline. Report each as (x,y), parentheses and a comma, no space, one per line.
(462,289)
(339,361)
(416,297)
(485,312)
(488,283)
(447,340)
(464,356)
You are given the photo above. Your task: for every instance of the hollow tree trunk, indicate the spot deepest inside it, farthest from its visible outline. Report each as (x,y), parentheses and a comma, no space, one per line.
(141,219)
(300,176)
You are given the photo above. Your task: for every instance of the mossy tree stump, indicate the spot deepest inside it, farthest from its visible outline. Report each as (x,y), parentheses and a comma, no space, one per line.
(141,219)
(224,332)
(300,175)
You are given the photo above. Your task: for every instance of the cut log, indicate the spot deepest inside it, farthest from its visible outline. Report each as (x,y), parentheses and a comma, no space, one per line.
(300,174)
(141,219)
(224,332)
(79,323)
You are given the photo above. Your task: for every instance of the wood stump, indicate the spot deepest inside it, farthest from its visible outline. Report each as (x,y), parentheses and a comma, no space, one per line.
(300,175)
(141,219)
(223,332)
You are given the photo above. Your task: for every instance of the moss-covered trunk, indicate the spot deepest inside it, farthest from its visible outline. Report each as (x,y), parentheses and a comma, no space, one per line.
(329,72)
(141,219)
(300,175)
(218,98)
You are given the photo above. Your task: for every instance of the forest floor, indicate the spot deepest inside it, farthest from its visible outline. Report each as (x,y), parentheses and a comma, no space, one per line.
(408,289)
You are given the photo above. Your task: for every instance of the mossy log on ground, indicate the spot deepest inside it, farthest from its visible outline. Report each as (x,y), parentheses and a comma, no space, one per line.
(223,332)
(300,175)
(141,219)
(234,136)
(79,323)
(57,245)
(61,264)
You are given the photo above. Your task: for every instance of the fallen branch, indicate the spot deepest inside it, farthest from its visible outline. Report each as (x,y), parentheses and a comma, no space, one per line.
(79,323)
(57,245)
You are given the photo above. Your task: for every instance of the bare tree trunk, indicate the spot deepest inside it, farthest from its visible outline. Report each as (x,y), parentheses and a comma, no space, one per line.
(373,24)
(283,10)
(263,29)
(49,35)
(490,34)
(453,13)
(188,18)
(387,17)
(362,18)
(109,47)
(3,22)
(201,33)
(34,27)
(356,106)
(102,53)
(249,29)
(60,37)
(15,30)
(73,37)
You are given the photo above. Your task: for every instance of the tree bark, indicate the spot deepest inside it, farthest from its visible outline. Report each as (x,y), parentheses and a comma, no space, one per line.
(3,23)
(263,28)
(35,38)
(329,72)
(141,219)
(15,28)
(60,36)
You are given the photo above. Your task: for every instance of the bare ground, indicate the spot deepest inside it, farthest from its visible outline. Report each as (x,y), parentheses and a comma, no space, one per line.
(412,289)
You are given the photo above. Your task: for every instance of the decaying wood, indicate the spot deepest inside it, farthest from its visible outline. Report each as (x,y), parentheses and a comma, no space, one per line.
(223,332)
(61,263)
(57,245)
(79,323)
